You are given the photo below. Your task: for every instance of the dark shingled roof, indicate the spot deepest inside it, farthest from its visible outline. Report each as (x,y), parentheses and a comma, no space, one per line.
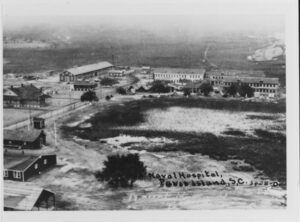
(12,162)
(22,135)
(27,92)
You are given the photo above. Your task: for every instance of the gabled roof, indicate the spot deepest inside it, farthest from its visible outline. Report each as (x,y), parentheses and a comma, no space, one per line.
(27,92)
(22,135)
(89,68)
(18,162)
(21,196)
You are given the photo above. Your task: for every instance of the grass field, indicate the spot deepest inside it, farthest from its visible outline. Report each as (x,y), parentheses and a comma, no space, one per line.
(221,132)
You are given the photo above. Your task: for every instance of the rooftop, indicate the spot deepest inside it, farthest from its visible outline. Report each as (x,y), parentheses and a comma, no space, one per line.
(18,162)
(234,72)
(27,92)
(251,79)
(89,68)
(22,134)
(179,71)
(21,196)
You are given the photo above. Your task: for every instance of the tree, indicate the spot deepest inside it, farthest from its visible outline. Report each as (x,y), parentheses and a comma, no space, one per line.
(108,81)
(121,90)
(89,96)
(160,87)
(186,91)
(232,90)
(121,170)
(245,90)
(206,88)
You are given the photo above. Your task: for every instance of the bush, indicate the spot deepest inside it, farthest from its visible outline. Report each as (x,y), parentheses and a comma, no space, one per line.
(122,171)
(107,98)
(160,87)
(206,88)
(186,92)
(108,81)
(89,96)
(232,90)
(121,91)
(245,90)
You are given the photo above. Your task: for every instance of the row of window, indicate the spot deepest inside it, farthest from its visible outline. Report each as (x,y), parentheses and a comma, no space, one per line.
(184,76)
(250,84)
(16,174)
(265,90)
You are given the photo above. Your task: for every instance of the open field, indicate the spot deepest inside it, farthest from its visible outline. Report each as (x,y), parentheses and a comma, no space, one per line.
(168,150)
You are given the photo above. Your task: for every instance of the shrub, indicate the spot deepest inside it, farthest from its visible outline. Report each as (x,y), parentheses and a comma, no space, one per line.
(206,88)
(159,87)
(121,90)
(89,96)
(108,81)
(122,171)
(245,90)
(232,90)
(186,91)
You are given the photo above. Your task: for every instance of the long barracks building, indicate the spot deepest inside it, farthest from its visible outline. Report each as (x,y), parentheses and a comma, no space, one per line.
(178,75)
(84,72)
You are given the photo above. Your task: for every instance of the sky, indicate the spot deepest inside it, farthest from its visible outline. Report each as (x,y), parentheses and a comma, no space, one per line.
(156,15)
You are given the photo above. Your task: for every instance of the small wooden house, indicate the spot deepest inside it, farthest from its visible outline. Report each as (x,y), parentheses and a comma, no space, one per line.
(22,167)
(24,139)
(38,123)
(27,197)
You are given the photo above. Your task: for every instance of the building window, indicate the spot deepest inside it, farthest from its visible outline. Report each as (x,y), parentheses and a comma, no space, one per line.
(17,174)
(36,166)
(9,142)
(5,173)
(45,161)
(25,143)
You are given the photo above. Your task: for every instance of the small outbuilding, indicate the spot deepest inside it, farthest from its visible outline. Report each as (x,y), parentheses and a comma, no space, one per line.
(38,123)
(27,197)
(24,139)
(21,167)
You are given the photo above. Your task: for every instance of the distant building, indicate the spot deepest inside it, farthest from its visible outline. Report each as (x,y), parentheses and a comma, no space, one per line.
(84,86)
(24,139)
(26,197)
(24,96)
(262,86)
(179,75)
(216,76)
(120,72)
(83,72)
(22,167)
(146,70)
(116,73)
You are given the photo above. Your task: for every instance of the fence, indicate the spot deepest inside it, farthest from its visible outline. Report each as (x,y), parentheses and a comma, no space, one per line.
(50,115)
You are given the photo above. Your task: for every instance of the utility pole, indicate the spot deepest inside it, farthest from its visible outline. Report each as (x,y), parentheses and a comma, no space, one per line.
(55,137)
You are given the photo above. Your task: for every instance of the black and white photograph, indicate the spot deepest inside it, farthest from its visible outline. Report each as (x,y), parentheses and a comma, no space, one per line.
(164,106)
